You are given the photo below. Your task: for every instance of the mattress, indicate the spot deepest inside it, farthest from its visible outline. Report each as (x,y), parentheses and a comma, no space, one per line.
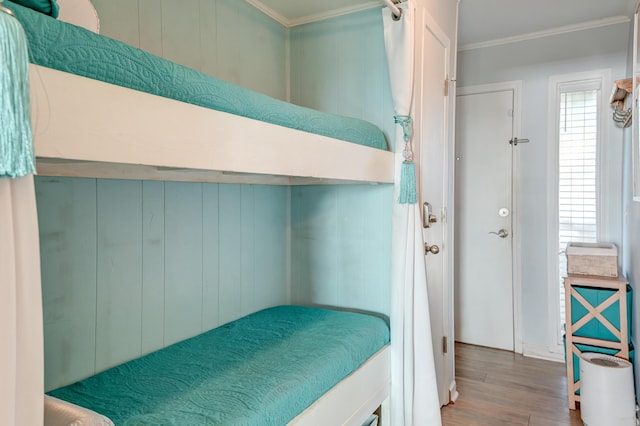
(65,47)
(263,369)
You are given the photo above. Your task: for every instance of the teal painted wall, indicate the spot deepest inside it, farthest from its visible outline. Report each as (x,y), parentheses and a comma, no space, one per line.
(131,266)
(341,235)
(340,66)
(341,246)
(228,39)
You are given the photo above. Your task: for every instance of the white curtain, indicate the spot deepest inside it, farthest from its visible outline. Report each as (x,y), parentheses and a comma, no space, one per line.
(414,392)
(21,335)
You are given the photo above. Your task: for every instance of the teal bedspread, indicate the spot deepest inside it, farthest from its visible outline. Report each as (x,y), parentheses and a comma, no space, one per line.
(263,369)
(65,47)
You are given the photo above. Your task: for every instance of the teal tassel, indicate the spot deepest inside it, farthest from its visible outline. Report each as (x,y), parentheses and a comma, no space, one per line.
(16,145)
(408,192)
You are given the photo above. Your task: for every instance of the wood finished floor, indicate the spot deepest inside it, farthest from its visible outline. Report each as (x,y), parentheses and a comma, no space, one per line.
(502,388)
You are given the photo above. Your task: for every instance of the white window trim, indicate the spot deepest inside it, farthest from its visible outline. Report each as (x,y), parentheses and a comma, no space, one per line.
(575,81)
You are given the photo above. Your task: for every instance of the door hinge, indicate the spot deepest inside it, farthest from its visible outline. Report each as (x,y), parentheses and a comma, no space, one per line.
(446,86)
(444,345)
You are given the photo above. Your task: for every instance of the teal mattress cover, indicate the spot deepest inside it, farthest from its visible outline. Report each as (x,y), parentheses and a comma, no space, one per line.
(263,369)
(69,48)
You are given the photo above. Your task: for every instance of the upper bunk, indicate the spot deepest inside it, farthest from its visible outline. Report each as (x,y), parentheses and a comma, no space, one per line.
(103,109)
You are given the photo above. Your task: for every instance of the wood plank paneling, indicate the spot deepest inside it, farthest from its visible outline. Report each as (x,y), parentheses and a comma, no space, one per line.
(341,237)
(232,62)
(314,72)
(153,285)
(375,79)
(227,39)
(269,244)
(150,26)
(144,264)
(67,221)
(247,237)
(364,227)
(341,246)
(351,62)
(181,32)
(210,256)
(119,20)
(209,253)
(315,254)
(119,272)
(251,48)
(183,261)
(208,37)
(352,80)
(230,258)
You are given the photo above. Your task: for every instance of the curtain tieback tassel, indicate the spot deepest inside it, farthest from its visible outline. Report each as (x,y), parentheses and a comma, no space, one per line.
(408,188)
(16,147)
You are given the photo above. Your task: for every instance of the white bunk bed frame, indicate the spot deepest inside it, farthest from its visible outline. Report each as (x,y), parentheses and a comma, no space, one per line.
(351,402)
(355,398)
(87,128)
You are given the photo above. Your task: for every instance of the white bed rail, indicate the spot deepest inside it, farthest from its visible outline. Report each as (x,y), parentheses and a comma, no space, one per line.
(84,127)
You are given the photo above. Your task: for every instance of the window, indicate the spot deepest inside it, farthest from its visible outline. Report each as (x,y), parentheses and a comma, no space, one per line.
(577,169)
(576,135)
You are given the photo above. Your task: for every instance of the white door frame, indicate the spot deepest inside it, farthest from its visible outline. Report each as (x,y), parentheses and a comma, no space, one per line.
(426,23)
(516,88)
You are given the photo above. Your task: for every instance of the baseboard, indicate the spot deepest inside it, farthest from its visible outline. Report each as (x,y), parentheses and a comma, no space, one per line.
(453,392)
(541,352)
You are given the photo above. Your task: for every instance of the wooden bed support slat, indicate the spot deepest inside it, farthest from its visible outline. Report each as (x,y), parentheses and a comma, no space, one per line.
(94,126)
(101,170)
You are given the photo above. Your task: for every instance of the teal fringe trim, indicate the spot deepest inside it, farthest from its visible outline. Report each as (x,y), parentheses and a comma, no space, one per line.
(408,192)
(16,141)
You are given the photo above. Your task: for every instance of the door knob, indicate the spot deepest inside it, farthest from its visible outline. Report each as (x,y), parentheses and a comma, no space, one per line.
(502,233)
(434,249)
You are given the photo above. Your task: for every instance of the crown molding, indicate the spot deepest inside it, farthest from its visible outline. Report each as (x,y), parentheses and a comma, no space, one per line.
(289,23)
(614,20)
(335,13)
(269,12)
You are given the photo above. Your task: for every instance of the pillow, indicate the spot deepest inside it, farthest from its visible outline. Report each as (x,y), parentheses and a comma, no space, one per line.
(80,13)
(48,7)
(62,413)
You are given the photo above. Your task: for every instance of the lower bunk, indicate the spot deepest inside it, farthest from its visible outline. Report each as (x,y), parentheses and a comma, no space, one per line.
(282,365)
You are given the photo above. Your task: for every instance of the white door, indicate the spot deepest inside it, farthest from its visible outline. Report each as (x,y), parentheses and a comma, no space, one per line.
(484,215)
(431,104)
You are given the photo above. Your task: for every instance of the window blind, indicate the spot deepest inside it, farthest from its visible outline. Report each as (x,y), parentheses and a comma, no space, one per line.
(577,175)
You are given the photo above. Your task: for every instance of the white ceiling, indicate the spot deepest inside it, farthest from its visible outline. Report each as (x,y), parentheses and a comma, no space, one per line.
(480,20)
(487,20)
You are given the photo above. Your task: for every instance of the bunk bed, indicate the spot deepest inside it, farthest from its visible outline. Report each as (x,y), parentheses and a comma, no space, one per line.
(88,123)
(265,368)
(137,116)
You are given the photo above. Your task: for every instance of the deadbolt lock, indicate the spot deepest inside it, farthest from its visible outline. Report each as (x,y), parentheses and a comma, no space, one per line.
(427,217)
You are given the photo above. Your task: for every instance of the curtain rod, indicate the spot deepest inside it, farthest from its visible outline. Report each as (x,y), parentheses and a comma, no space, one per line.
(394,9)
